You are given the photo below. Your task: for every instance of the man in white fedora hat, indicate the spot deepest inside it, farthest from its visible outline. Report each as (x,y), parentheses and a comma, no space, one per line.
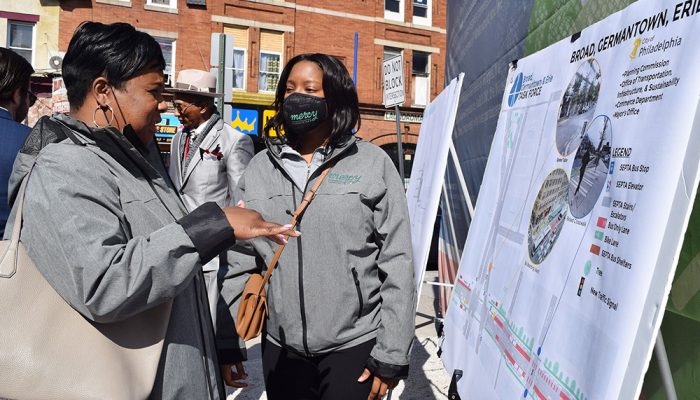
(206,157)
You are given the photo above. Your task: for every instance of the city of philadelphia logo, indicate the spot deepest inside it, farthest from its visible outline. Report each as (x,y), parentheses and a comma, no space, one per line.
(527,86)
(635,48)
(306,116)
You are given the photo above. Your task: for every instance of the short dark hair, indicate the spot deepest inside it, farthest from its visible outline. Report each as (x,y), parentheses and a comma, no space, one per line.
(15,73)
(341,99)
(118,52)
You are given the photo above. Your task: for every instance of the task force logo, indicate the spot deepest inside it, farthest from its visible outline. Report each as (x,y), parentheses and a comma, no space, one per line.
(515,90)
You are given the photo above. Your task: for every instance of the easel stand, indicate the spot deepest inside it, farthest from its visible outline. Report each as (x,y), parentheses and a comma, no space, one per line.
(665,368)
(452,393)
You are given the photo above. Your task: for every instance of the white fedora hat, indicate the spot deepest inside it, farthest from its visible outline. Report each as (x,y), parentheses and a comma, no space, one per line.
(196,82)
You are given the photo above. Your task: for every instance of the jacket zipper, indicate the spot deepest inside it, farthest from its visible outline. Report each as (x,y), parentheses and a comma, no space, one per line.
(359,291)
(319,168)
(198,280)
(300,261)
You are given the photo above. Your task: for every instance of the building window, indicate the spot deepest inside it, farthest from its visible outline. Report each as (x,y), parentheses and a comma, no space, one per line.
(391,52)
(421,78)
(20,38)
(162,3)
(269,71)
(239,68)
(168,48)
(393,9)
(422,12)
(270,63)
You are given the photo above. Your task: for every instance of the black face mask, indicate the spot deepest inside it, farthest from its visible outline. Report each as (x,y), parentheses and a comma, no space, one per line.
(303,112)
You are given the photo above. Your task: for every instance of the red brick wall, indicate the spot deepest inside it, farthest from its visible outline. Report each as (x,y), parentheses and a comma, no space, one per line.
(192,24)
(313,32)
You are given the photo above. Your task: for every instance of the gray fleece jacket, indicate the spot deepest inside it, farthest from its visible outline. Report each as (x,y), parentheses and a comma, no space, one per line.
(107,230)
(349,277)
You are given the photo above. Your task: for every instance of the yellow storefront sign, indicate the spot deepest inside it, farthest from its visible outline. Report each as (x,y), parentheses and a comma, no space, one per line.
(267,115)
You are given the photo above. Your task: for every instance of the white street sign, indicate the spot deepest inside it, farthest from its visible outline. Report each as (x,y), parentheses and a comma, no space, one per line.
(393,81)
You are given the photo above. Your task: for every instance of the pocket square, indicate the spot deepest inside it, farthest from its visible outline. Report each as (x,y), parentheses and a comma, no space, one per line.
(216,152)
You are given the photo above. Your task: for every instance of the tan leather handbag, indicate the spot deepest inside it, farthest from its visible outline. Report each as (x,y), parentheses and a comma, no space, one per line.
(252,309)
(50,351)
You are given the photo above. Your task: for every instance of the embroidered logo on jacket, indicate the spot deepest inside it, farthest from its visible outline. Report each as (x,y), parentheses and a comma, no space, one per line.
(343,179)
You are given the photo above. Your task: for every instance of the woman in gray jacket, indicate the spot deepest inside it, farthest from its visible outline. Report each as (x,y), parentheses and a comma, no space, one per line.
(342,298)
(103,223)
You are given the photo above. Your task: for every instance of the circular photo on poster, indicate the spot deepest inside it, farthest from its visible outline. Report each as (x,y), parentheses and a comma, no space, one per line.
(548,213)
(577,106)
(590,168)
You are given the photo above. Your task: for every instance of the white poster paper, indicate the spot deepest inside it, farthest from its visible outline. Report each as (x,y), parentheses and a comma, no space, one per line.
(581,214)
(428,171)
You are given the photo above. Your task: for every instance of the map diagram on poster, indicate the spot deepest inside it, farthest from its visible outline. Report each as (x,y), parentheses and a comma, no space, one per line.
(581,214)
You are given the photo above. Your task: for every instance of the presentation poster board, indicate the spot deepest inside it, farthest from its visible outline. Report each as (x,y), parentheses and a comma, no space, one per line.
(425,186)
(586,195)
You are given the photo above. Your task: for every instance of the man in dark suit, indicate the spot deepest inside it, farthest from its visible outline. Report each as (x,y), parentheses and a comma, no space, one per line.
(15,101)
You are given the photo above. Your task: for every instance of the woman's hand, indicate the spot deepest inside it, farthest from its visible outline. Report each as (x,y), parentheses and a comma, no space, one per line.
(249,224)
(380,385)
(234,379)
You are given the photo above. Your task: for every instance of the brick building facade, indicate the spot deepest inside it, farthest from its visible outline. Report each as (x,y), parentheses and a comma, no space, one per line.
(267,33)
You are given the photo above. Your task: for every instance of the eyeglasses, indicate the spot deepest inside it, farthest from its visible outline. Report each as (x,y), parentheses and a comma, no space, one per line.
(180,107)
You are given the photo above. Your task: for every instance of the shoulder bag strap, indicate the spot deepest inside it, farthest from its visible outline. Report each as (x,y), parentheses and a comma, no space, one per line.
(17,227)
(10,251)
(302,206)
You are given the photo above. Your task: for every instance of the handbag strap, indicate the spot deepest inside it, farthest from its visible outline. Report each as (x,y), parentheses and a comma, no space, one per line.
(19,200)
(11,250)
(302,206)
(17,227)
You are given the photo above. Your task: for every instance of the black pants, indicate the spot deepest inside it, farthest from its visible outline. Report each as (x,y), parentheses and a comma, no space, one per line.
(333,376)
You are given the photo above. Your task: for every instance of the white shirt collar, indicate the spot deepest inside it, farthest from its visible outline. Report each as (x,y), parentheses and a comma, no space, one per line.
(288,150)
(200,129)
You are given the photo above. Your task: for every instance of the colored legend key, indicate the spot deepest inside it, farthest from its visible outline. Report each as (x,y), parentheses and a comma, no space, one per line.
(599,235)
(601,222)
(595,249)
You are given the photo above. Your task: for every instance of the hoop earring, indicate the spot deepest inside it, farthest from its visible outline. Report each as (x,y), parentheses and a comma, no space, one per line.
(94,115)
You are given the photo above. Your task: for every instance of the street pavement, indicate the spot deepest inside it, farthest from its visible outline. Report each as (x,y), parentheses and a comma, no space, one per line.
(569,131)
(427,378)
(593,182)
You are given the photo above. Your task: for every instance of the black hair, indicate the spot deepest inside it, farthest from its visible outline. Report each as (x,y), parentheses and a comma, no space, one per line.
(341,100)
(15,73)
(117,52)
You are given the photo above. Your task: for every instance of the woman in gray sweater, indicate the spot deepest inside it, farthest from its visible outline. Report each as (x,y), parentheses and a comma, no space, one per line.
(103,223)
(342,298)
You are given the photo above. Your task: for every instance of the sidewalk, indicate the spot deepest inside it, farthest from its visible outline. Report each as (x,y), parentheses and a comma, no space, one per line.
(427,378)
